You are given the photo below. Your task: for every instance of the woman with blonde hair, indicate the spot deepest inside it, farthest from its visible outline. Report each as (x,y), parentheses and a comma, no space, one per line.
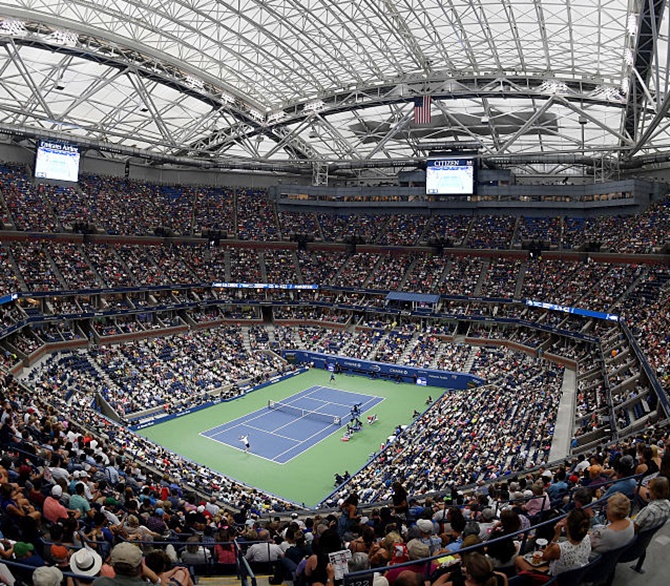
(619,529)
(134,531)
(381,553)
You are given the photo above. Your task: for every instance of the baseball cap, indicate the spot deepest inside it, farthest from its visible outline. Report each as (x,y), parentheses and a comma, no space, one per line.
(58,553)
(57,490)
(126,553)
(47,576)
(21,548)
(417,549)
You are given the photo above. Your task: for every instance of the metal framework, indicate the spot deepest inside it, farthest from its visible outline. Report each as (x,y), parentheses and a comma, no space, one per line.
(545,86)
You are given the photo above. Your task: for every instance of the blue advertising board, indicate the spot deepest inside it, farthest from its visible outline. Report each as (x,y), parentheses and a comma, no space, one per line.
(406,374)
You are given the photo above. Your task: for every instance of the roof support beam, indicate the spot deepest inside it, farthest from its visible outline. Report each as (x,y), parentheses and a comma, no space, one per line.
(536,116)
(649,131)
(599,123)
(649,21)
(398,127)
(15,55)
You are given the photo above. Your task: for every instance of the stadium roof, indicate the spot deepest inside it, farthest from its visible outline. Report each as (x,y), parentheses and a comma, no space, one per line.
(535,84)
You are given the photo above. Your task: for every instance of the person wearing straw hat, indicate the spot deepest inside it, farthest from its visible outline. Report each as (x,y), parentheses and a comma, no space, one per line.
(85,562)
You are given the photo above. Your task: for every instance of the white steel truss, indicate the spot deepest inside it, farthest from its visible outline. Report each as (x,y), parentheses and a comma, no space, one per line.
(298,83)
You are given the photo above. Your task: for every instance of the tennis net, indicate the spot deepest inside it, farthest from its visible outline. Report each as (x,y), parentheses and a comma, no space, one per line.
(286,408)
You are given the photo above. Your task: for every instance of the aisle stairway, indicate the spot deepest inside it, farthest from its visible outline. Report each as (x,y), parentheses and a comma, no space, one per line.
(246,340)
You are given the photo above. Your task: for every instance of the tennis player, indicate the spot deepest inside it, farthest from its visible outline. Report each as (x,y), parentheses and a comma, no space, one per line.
(245,440)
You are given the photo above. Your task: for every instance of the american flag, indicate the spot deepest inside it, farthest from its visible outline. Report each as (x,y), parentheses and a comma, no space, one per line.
(422,110)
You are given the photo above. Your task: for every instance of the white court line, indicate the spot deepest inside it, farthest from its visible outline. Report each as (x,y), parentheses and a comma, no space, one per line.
(261,413)
(311,445)
(317,443)
(308,394)
(264,412)
(343,391)
(274,432)
(289,423)
(315,389)
(297,443)
(251,452)
(261,429)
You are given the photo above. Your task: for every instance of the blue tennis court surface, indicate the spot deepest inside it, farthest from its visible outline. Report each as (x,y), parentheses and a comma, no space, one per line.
(279,436)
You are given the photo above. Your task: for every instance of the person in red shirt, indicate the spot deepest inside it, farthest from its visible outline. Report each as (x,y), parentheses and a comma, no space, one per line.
(53,509)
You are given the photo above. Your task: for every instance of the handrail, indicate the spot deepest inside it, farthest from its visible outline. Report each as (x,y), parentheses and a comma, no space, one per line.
(78,578)
(244,568)
(352,577)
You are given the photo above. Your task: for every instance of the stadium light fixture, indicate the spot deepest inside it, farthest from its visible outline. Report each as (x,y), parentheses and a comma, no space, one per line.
(554,87)
(227,98)
(629,57)
(13,28)
(610,93)
(194,83)
(256,114)
(65,38)
(315,106)
(276,116)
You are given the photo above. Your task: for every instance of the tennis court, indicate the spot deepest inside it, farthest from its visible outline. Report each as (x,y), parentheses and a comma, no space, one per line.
(307,477)
(293,425)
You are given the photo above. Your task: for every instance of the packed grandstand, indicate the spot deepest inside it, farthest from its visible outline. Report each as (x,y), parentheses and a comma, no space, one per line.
(117,327)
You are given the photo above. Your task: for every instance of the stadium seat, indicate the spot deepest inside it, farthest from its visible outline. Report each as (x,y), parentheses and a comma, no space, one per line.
(576,577)
(637,550)
(604,569)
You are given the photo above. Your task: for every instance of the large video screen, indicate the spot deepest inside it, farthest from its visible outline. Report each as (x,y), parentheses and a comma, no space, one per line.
(57,160)
(451,176)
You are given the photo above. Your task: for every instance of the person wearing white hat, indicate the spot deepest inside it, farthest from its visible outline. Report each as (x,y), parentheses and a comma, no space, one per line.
(427,535)
(53,509)
(85,562)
